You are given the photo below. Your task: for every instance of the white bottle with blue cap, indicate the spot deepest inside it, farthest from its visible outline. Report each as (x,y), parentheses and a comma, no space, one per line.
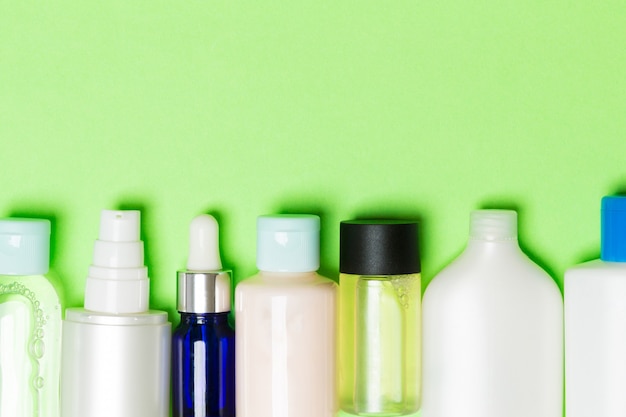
(30,321)
(595,323)
(285,325)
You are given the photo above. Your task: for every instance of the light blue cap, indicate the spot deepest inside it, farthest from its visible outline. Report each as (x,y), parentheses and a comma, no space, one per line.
(613,242)
(288,243)
(24,246)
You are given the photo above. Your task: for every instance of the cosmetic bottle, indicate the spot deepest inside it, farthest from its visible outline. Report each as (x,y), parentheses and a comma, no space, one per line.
(379,317)
(285,325)
(116,352)
(203,345)
(493,330)
(595,323)
(30,321)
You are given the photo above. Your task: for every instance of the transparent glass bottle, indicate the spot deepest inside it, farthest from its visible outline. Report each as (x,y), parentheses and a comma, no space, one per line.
(379,318)
(30,322)
(203,357)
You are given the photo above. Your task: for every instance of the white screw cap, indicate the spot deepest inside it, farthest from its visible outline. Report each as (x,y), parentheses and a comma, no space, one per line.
(288,243)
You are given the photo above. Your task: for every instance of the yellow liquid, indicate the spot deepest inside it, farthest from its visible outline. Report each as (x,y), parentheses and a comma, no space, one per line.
(379,344)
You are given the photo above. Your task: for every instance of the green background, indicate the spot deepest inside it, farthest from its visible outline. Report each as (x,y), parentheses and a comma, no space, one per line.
(402,108)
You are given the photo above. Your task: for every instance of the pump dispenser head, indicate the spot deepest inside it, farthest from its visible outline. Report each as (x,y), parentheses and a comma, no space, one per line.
(118,281)
(204,287)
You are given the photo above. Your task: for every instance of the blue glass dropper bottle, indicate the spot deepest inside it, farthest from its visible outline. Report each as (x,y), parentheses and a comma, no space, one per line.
(203,345)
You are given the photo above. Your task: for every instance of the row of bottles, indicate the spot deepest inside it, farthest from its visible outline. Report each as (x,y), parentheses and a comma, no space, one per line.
(492,343)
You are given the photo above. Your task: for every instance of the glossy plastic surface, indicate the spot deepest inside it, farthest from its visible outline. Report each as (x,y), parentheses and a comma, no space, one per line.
(286,345)
(115,365)
(595,339)
(203,366)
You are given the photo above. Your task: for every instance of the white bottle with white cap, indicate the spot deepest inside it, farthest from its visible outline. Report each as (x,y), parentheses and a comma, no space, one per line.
(492,330)
(285,325)
(116,352)
(30,321)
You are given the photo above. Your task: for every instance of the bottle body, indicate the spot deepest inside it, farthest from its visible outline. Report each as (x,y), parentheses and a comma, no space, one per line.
(285,352)
(203,366)
(379,344)
(493,343)
(595,339)
(115,365)
(30,347)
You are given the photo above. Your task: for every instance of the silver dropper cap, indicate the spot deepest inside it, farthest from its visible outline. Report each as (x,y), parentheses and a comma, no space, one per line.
(203,292)
(204,287)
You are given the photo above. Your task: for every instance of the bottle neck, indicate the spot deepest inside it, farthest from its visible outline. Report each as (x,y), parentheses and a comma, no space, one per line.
(493,225)
(492,232)
(204,318)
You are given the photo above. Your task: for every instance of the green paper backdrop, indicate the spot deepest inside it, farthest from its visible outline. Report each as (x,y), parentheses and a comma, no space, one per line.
(404,108)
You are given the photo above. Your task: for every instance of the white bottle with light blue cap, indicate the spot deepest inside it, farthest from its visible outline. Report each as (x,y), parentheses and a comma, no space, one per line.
(285,325)
(595,323)
(30,321)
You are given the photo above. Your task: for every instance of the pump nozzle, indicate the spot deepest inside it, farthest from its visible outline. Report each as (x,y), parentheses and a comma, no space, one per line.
(119,225)
(204,253)
(118,280)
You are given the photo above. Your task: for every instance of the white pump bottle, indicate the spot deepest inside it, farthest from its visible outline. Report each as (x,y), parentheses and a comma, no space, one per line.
(116,352)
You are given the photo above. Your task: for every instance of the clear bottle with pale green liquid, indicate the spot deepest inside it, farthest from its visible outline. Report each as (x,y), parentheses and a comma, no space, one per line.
(30,321)
(379,318)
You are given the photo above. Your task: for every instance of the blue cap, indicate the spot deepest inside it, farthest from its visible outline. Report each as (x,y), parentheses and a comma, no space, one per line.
(24,246)
(288,243)
(613,242)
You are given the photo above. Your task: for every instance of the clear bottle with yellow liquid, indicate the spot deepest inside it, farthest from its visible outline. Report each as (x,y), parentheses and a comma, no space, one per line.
(379,318)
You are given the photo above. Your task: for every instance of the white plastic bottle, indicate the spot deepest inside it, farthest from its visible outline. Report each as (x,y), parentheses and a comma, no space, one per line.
(30,322)
(595,323)
(116,352)
(285,325)
(492,330)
